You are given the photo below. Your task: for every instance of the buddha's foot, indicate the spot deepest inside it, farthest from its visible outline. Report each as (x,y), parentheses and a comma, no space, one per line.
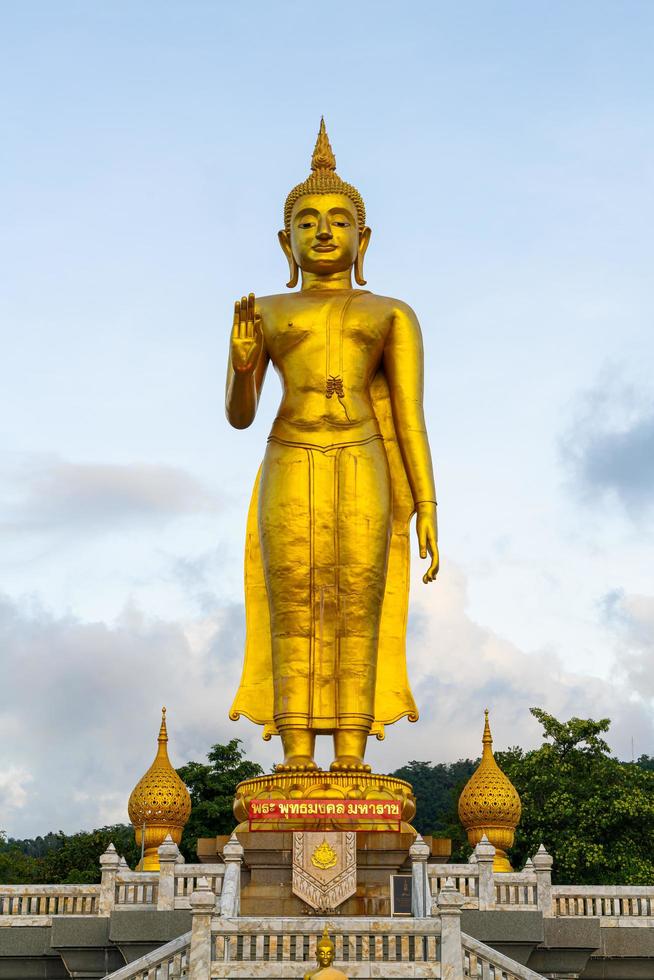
(303,763)
(349,750)
(349,763)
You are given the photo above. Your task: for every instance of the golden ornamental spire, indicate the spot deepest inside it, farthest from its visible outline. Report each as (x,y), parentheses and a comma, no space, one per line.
(323,156)
(323,179)
(159,804)
(163,731)
(487,738)
(490,805)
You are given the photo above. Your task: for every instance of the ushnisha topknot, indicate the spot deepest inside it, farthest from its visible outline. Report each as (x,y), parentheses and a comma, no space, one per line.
(325,941)
(324,180)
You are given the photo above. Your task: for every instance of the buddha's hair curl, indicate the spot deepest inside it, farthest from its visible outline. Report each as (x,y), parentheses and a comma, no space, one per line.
(324,180)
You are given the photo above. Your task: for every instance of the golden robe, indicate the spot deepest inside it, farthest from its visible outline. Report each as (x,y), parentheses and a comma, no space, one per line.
(392,698)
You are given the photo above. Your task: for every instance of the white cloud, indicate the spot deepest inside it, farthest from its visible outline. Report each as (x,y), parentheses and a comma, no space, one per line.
(459,667)
(44,492)
(631,620)
(610,446)
(13,787)
(80,705)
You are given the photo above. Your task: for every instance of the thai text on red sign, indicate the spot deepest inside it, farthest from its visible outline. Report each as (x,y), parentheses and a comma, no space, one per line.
(373,811)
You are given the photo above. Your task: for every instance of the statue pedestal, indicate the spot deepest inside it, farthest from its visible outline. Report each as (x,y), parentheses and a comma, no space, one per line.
(268,866)
(327,799)
(334,790)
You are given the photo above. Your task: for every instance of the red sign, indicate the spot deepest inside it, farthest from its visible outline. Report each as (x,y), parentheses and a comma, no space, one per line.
(368,811)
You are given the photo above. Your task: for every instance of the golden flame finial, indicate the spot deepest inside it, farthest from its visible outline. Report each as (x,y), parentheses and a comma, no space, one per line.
(487,739)
(163,731)
(159,804)
(323,156)
(323,179)
(489,804)
(325,940)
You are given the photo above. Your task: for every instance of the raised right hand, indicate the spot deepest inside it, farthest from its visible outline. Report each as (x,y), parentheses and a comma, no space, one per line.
(247,336)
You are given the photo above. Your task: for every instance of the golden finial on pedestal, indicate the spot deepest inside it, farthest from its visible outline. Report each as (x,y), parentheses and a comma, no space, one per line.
(159,804)
(489,805)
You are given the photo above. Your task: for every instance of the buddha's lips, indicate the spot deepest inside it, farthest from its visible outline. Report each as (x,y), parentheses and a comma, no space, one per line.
(324,248)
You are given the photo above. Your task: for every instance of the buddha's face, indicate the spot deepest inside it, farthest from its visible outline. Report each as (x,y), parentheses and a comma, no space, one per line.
(324,233)
(325,955)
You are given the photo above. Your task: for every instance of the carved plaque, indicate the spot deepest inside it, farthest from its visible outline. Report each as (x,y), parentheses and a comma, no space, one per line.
(401,894)
(324,867)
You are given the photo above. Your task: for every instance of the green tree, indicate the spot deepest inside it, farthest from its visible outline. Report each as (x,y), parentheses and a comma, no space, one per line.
(212,788)
(17,868)
(38,846)
(61,858)
(77,858)
(594,814)
(437,788)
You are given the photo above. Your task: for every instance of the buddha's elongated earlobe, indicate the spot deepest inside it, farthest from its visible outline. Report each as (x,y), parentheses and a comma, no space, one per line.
(293,271)
(364,241)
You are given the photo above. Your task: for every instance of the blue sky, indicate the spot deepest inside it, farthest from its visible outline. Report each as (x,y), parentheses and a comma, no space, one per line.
(505,154)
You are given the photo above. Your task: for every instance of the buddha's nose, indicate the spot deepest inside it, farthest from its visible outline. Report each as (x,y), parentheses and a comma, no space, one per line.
(324,231)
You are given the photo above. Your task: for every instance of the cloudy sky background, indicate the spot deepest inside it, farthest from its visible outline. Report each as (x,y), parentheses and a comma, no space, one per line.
(506,156)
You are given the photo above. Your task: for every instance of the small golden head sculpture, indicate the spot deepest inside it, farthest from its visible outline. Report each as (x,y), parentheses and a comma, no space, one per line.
(325,949)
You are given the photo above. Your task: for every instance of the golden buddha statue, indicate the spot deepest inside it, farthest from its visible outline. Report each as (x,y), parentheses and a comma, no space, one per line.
(489,805)
(346,466)
(325,957)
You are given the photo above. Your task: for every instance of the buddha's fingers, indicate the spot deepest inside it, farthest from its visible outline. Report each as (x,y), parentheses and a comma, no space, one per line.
(250,327)
(432,571)
(244,317)
(236,321)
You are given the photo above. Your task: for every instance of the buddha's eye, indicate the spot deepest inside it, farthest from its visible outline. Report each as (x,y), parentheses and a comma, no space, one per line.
(341,224)
(305,224)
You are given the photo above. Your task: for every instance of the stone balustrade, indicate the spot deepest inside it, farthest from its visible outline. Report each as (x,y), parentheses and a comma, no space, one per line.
(485,890)
(481,962)
(187,877)
(172,887)
(48,900)
(136,888)
(516,891)
(624,902)
(532,888)
(168,962)
(286,947)
(356,939)
(465,877)
(122,889)
(250,948)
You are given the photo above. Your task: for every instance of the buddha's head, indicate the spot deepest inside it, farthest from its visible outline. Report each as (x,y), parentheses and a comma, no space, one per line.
(324,221)
(325,950)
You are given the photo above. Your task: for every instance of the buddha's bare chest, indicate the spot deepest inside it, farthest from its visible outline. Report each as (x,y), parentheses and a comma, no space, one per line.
(327,339)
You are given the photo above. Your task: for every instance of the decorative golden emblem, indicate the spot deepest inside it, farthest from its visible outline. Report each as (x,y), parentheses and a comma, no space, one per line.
(324,856)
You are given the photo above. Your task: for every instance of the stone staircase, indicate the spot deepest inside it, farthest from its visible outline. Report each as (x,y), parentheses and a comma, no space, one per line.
(384,949)
(169,962)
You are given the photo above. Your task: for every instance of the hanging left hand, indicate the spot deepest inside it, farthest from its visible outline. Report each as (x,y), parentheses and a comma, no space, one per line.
(427,530)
